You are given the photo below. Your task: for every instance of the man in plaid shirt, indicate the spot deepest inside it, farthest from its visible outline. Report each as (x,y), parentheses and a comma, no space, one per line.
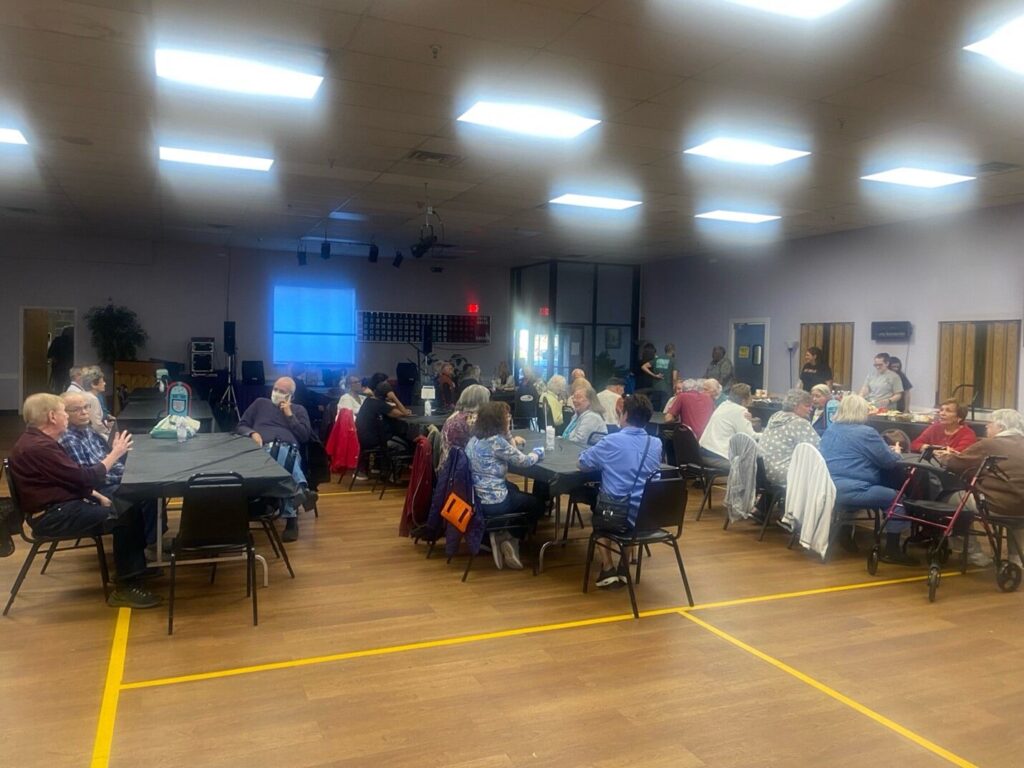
(86,447)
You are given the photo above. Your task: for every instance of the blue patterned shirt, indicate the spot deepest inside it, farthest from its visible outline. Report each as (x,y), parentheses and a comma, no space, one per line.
(489,459)
(86,448)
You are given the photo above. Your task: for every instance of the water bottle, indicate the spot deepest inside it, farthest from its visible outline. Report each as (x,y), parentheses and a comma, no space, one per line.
(182,430)
(428,407)
(549,438)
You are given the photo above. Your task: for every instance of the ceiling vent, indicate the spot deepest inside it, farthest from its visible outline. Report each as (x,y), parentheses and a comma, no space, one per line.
(990,169)
(433,158)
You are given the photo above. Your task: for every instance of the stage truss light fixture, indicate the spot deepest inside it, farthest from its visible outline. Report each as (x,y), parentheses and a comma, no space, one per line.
(374,252)
(325,249)
(398,260)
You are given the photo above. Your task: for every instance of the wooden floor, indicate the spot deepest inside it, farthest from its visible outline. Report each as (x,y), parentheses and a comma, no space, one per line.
(375,656)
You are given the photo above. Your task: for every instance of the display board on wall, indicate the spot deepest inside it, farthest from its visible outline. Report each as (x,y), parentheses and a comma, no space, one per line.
(407,328)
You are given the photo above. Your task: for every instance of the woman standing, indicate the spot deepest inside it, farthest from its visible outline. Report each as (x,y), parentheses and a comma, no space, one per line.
(815,370)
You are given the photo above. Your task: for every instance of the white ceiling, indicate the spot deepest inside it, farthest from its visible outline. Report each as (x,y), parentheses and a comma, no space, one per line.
(877,84)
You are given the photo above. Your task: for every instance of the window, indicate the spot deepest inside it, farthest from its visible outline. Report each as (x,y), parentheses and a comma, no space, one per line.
(836,343)
(314,325)
(978,362)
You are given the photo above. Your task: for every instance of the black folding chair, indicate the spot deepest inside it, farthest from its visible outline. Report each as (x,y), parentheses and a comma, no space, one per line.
(691,463)
(214,523)
(663,507)
(16,521)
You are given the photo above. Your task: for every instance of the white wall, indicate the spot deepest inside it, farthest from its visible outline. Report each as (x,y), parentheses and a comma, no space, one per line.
(956,268)
(180,291)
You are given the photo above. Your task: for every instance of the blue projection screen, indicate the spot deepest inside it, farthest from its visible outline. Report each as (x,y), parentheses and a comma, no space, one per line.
(314,325)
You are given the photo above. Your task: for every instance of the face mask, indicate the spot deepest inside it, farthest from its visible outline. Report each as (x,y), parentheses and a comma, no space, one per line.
(278,397)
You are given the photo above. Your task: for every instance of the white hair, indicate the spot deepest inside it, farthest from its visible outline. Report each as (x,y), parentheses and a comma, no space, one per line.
(1009,420)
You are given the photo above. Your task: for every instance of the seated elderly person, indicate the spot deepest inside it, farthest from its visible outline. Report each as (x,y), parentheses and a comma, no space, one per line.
(949,431)
(446,389)
(59,498)
(95,385)
(609,398)
(861,466)
(624,457)
(693,406)
(470,376)
(386,406)
(281,427)
(458,428)
(713,389)
(784,431)
(490,452)
(577,373)
(86,448)
(825,407)
(729,418)
(354,395)
(1004,436)
(588,420)
(553,399)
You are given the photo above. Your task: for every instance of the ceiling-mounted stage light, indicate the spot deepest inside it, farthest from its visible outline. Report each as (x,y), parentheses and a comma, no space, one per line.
(300,254)
(325,249)
(398,260)
(419,250)
(374,252)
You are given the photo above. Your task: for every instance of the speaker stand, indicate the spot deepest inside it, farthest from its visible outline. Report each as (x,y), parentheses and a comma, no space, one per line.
(228,401)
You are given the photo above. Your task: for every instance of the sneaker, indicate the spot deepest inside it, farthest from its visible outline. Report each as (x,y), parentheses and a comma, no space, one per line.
(897,558)
(609,578)
(133,597)
(499,560)
(621,572)
(979,558)
(510,552)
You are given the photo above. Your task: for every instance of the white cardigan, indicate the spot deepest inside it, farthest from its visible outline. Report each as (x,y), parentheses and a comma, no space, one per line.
(810,498)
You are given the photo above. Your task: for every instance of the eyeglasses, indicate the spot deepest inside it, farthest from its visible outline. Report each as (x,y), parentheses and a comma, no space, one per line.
(77,408)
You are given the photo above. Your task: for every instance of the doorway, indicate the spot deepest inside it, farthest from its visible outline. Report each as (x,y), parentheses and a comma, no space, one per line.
(748,342)
(47,349)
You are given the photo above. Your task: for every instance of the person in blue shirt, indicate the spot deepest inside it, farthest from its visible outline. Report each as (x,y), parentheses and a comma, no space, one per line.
(862,467)
(825,407)
(619,456)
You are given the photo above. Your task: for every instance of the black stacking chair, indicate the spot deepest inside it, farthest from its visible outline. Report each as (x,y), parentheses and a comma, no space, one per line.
(494,525)
(16,521)
(691,464)
(662,508)
(214,522)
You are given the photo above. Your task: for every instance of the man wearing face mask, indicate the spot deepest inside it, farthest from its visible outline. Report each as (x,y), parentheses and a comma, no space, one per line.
(281,427)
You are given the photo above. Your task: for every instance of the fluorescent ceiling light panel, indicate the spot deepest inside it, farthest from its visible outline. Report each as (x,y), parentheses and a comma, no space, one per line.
(1005,46)
(746,152)
(12,136)
(589,201)
(346,216)
(738,216)
(218,159)
(917,177)
(799,9)
(528,119)
(226,73)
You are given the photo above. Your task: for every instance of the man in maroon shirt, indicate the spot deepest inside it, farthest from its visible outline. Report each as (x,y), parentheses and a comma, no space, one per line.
(59,497)
(691,407)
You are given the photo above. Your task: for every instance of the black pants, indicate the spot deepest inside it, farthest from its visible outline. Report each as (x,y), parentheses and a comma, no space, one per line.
(84,518)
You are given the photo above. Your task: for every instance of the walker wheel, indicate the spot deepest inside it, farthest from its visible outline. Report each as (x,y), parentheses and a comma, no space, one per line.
(933,582)
(944,552)
(873,561)
(1008,576)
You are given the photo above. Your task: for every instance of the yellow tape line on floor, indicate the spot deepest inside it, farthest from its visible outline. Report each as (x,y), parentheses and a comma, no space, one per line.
(833,693)
(111,691)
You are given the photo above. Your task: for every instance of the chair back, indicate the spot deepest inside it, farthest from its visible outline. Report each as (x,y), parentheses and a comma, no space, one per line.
(16,516)
(687,449)
(663,504)
(596,437)
(214,512)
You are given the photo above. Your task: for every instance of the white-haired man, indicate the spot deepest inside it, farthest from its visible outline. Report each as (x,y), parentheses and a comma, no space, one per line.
(60,499)
(282,428)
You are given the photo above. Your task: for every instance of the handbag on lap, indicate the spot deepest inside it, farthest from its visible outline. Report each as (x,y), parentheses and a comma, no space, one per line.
(611,513)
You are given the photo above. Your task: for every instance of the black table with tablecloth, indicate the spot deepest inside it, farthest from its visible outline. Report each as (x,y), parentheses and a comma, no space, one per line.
(764,411)
(140,416)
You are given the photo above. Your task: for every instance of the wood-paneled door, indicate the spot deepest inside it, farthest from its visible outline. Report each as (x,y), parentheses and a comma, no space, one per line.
(979,362)
(836,343)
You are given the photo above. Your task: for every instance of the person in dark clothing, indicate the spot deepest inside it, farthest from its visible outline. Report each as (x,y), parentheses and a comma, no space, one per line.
(815,370)
(61,355)
(896,366)
(387,408)
(282,427)
(59,498)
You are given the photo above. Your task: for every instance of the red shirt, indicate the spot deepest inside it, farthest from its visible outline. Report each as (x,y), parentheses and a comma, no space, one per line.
(936,435)
(693,409)
(46,475)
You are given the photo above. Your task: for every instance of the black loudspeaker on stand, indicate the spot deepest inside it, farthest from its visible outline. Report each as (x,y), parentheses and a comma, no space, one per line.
(229,401)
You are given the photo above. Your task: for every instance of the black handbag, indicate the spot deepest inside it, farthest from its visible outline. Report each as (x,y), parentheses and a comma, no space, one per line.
(611,513)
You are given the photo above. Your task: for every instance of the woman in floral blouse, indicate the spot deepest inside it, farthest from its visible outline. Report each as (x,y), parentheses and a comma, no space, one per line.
(490,453)
(458,427)
(784,431)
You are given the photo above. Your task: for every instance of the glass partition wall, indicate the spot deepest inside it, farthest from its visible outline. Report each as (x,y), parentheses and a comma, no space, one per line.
(569,315)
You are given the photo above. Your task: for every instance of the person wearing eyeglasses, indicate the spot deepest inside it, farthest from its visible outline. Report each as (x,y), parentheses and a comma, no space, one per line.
(883,387)
(60,498)
(281,427)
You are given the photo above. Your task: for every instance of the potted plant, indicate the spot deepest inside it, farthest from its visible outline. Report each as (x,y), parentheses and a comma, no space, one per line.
(115,332)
